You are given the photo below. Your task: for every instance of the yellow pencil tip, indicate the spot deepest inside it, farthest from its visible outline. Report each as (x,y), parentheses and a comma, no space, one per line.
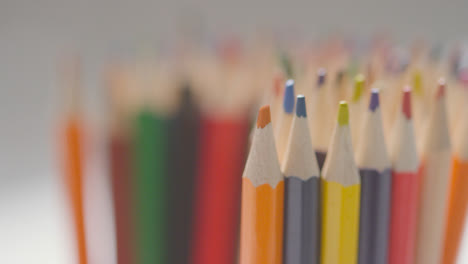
(417,82)
(359,81)
(343,114)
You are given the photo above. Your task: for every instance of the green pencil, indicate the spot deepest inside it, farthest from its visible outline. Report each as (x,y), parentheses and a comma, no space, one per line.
(149,188)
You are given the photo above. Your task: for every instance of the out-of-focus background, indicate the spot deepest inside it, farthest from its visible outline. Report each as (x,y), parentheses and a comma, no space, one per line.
(35,34)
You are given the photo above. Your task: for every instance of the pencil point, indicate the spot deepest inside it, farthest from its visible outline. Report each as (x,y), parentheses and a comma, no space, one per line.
(343,114)
(358,87)
(288,103)
(277,84)
(441,89)
(264,117)
(406,104)
(300,106)
(321,74)
(374,100)
(340,76)
(417,82)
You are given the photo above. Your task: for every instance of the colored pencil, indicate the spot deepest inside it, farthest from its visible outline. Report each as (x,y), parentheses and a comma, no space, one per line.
(405,167)
(277,98)
(420,104)
(262,199)
(340,194)
(285,120)
(119,147)
(317,118)
(182,170)
(357,108)
(73,142)
(458,199)
(302,194)
(434,184)
(222,141)
(374,168)
(150,185)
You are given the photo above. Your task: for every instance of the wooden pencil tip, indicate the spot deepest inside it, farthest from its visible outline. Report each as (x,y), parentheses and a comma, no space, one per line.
(374,100)
(300,106)
(340,76)
(359,81)
(343,114)
(441,89)
(417,82)
(288,101)
(264,117)
(321,75)
(277,84)
(406,104)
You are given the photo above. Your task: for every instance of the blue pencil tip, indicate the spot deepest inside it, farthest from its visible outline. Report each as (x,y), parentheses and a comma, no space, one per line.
(288,101)
(374,100)
(321,73)
(301,106)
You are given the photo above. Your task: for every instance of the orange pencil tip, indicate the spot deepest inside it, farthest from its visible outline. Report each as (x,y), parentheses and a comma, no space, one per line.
(264,117)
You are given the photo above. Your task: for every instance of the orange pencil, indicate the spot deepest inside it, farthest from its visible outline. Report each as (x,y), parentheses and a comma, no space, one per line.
(458,198)
(262,199)
(73,162)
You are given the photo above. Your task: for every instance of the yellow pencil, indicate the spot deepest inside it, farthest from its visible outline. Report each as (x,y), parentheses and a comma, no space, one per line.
(341,195)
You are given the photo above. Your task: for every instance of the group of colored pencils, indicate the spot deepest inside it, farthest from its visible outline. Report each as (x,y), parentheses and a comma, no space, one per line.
(342,167)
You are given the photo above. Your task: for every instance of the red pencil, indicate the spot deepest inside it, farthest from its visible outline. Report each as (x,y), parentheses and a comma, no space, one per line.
(119,150)
(217,194)
(404,187)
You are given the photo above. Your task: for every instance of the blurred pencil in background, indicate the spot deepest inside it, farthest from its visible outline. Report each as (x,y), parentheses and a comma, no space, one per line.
(458,198)
(73,151)
(435,178)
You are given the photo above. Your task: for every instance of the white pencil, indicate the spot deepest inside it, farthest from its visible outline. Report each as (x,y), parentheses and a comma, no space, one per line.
(434,183)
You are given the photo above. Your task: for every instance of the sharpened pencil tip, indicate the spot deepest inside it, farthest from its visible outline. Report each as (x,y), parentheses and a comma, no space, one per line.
(321,75)
(301,106)
(406,104)
(343,114)
(340,76)
(374,100)
(359,81)
(264,117)
(277,85)
(441,88)
(417,82)
(288,101)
